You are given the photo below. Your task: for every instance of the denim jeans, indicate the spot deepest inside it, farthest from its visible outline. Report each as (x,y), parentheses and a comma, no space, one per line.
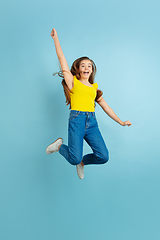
(83,125)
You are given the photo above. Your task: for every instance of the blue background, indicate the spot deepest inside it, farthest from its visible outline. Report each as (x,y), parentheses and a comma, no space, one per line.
(41,196)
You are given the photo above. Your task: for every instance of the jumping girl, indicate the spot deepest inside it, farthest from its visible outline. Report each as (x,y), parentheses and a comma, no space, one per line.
(81,93)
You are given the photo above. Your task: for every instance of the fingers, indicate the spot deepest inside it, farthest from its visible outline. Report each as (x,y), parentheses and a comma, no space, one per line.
(53,32)
(128,123)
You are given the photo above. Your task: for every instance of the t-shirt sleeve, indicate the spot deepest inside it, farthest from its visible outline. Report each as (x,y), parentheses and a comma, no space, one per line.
(95,85)
(75,80)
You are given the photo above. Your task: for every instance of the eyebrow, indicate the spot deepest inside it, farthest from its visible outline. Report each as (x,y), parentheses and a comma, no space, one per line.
(84,63)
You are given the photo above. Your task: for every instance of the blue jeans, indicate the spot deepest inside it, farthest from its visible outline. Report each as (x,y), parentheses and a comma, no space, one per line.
(83,125)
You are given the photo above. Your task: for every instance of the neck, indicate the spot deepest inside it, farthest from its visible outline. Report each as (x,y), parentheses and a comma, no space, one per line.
(84,79)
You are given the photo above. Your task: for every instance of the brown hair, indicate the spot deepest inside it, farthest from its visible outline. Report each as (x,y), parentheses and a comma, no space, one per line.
(75,72)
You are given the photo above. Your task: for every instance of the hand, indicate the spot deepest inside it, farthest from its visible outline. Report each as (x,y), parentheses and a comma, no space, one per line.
(128,123)
(53,33)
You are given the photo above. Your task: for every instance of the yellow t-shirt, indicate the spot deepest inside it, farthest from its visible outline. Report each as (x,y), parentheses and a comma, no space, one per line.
(83,97)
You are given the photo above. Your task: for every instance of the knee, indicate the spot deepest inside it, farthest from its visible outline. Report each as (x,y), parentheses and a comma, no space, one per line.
(105,157)
(74,160)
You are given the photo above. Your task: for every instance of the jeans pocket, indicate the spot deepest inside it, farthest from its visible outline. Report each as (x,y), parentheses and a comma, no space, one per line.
(73,115)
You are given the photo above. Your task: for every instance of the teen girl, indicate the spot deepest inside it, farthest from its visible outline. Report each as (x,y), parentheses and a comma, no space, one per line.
(81,93)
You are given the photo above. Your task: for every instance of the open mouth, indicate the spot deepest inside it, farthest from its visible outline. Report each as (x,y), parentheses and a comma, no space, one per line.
(86,72)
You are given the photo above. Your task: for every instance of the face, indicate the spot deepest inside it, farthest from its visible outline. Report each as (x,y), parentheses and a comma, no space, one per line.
(85,69)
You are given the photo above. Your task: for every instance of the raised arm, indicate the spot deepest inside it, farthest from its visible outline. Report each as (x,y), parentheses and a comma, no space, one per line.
(111,113)
(64,65)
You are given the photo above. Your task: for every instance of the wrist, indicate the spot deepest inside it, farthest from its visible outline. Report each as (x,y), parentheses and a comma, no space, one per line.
(121,123)
(55,38)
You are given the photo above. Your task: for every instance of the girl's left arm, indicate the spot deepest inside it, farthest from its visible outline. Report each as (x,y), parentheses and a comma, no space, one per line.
(111,113)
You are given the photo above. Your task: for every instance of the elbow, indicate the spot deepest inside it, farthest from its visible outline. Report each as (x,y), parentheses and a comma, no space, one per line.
(99,100)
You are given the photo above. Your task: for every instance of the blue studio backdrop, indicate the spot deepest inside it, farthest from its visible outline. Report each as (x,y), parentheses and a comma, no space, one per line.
(41,196)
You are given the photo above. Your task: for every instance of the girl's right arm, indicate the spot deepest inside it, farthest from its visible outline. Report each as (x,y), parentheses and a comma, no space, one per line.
(64,65)
(111,113)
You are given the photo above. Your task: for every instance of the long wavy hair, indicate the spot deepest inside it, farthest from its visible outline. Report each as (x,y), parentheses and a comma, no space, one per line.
(75,72)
